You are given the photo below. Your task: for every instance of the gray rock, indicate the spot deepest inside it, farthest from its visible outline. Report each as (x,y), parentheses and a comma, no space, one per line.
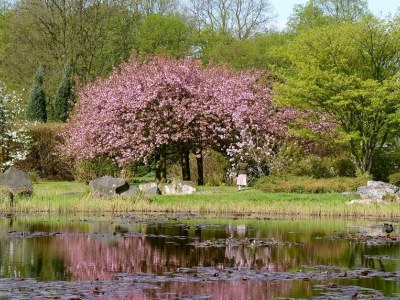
(366,201)
(149,189)
(179,188)
(108,186)
(17,181)
(378,190)
(132,192)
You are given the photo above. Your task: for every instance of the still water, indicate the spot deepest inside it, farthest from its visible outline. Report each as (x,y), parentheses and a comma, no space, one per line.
(191,257)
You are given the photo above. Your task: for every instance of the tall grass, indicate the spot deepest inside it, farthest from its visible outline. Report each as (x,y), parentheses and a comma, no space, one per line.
(73,197)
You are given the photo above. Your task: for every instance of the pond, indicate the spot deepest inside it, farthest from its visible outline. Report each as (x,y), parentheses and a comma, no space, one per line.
(190,257)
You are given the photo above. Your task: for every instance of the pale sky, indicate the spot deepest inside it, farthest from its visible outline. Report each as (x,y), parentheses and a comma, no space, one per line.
(284,8)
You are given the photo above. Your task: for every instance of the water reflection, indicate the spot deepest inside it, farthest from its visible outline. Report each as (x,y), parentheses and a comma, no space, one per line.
(72,249)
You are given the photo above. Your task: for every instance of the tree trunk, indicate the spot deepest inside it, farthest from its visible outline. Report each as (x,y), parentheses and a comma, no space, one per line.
(185,164)
(200,169)
(157,158)
(163,163)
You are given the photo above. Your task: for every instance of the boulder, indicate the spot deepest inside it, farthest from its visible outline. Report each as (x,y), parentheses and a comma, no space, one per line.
(108,186)
(17,181)
(149,189)
(179,188)
(378,190)
(132,192)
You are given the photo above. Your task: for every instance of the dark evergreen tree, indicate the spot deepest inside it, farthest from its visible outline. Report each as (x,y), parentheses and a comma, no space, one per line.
(36,110)
(65,96)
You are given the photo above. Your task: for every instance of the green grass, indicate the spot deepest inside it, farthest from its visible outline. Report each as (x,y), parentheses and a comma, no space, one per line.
(72,197)
(227,200)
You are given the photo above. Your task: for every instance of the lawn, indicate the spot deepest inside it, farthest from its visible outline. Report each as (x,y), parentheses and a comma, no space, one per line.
(72,197)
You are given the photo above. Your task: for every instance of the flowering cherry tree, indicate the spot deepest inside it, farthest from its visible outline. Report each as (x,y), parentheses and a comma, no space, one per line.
(147,107)
(14,138)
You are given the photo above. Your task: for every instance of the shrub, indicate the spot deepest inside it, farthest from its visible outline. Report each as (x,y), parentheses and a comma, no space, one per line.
(306,184)
(139,171)
(395,178)
(386,162)
(86,170)
(344,167)
(321,167)
(44,159)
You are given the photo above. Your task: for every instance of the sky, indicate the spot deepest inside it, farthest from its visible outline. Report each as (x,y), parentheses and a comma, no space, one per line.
(284,8)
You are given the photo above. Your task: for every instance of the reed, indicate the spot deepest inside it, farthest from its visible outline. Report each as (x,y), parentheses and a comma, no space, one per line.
(73,197)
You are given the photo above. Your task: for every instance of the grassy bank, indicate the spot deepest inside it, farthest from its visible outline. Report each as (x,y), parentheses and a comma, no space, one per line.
(72,197)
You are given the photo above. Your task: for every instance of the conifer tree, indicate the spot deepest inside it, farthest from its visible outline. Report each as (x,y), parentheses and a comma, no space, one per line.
(36,110)
(65,96)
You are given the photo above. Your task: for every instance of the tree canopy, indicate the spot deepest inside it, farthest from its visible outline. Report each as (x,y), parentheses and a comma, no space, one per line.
(316,13)
(146,106)
(349,71)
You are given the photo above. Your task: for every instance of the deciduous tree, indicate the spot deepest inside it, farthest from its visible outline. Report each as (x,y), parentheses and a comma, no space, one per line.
(321,12)
(169,35)
(239,18)
(147,107)
(349,71)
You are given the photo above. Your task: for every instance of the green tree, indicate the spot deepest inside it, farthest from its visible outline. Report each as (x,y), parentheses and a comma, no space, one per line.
(65,96)
(254,52)
(321,12)
(36,109)
(164,34)
(349,71)
(94,35)
(5,16)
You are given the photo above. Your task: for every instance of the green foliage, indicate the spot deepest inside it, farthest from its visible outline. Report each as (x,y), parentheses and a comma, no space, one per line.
(305,184)
(86,170)
(4,21)
(164,34)
(138,169)
(43,158)
(94,36)
(65,96)
(348,71)
(255,52)
(386,162)
(317,13)
(306,16)
(395,178)
(139,172)
(36,109)
(215,168)
(322,167)
(324,161)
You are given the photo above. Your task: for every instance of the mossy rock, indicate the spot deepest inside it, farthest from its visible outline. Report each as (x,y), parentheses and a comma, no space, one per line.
(391,197)
(6,195)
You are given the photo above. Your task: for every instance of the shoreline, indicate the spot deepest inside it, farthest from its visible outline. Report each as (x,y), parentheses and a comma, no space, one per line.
(73,197)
